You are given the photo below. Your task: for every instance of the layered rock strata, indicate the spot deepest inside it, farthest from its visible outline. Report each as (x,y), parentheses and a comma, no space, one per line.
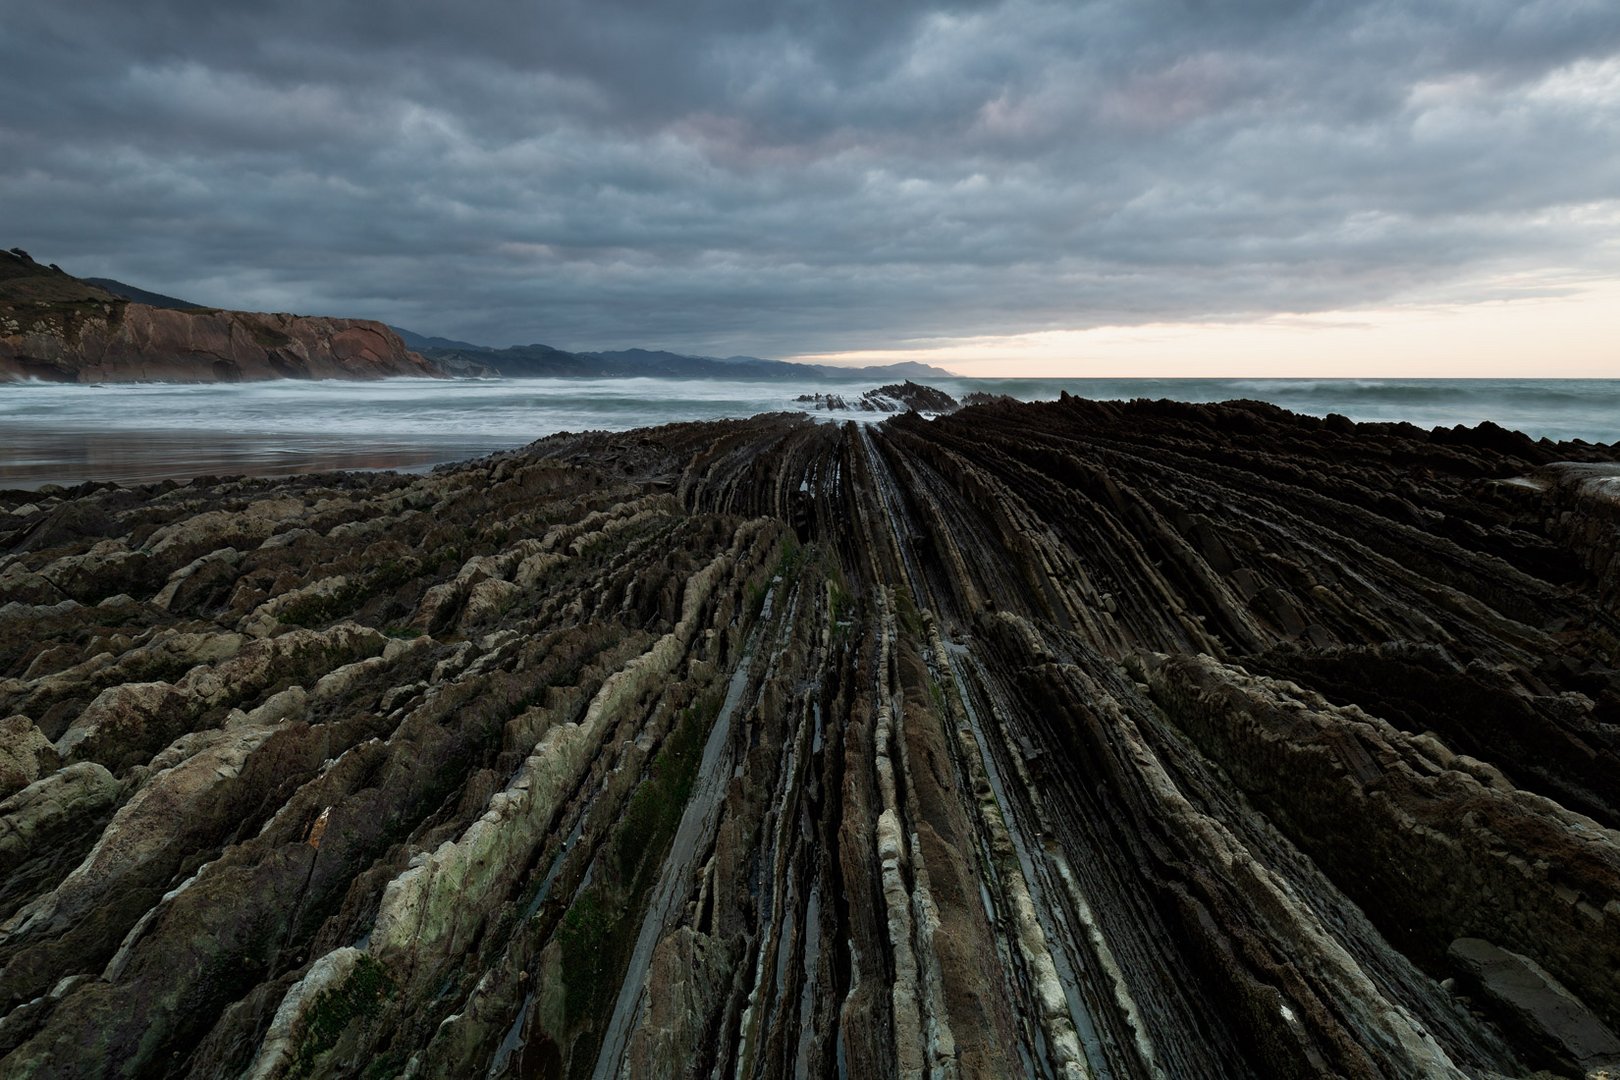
(1075,739)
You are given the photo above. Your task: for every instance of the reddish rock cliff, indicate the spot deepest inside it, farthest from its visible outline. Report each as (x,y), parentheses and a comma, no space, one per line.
(57,328)
(140,343)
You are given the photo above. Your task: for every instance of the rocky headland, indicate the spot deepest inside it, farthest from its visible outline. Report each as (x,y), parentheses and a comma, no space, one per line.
(1072,739)
(57,328)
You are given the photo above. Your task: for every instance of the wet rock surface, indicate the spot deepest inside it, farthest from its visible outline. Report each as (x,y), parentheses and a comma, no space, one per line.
(1069,739)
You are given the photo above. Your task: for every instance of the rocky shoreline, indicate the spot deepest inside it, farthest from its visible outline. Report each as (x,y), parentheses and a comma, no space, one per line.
(1076,739)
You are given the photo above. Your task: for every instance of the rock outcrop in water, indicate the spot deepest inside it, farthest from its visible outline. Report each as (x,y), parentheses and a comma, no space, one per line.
(895,397)
(1071,739)
(56,328)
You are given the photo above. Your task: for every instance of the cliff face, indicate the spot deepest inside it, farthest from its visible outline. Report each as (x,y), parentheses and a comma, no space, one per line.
(1143,740)
(56,328)
(136,343)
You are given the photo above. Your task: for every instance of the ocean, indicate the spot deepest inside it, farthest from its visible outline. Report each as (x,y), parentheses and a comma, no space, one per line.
(136,433)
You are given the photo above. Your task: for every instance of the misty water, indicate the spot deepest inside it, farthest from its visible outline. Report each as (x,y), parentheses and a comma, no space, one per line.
(136,433)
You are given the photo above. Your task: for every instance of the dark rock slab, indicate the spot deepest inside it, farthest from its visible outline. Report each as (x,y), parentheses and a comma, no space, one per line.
(1537,1006)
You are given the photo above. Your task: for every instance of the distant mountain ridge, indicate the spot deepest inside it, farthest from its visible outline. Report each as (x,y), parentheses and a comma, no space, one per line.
(420,342)
(545,361)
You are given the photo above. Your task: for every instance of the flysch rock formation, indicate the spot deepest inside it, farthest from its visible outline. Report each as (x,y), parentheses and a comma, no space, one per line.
(56,328)
(1073,739)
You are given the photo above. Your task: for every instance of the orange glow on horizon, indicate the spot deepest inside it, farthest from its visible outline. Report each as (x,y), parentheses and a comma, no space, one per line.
(1570,336)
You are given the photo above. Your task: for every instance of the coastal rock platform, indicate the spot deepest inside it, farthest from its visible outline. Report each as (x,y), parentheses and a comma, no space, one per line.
(1133,740)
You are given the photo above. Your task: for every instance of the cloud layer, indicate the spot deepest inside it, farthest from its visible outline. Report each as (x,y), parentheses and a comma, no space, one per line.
(728,176)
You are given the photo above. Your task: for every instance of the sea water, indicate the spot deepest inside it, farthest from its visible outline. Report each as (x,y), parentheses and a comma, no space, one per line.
(134,433)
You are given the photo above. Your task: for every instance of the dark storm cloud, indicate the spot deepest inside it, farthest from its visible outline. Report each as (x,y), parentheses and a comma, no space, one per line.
(780,178)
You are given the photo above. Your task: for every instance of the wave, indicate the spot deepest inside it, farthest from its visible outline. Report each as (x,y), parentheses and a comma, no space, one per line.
(435,413)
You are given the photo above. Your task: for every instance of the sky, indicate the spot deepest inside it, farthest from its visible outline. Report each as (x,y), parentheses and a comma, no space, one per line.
(1007,187)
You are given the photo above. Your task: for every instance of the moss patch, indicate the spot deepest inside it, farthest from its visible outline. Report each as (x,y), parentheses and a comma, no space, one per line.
(592,955)
(655,809)
(905,608)
(600,927)
(789,556)
(358,997)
